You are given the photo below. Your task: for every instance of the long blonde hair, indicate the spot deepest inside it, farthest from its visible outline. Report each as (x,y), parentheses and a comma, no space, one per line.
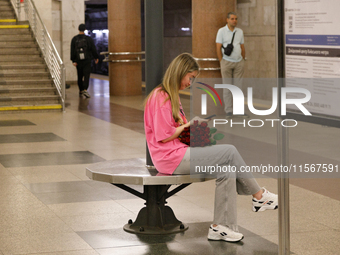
(178,68)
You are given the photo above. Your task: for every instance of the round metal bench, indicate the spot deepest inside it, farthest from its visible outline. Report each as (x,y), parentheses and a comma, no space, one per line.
(155,217)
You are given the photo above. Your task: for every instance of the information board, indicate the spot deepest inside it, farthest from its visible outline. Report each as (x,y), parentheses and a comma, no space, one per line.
(312,53)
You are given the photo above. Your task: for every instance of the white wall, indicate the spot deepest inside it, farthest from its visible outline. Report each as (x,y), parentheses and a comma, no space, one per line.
(45,11)
(62,18)
(72,14)
(56,25)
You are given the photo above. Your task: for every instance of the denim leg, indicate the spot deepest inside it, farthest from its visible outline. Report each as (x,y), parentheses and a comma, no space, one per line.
(225,206)
(228,184)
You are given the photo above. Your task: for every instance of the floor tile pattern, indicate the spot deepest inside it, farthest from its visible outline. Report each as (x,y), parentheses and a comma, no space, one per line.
(8,123)
(30,138)
(49,158)
(49,206)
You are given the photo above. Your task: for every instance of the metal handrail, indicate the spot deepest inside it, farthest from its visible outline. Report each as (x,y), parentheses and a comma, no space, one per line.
(207,59)
(108,54)
(46,45)
(123,53)
(208,68)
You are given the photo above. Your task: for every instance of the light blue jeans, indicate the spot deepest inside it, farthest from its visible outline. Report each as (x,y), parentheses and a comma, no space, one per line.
(228,184)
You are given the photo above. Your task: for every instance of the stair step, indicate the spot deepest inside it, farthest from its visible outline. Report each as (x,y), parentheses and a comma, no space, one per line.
(31,108)
(14,51)
(23,73)
(7,20)
(21,67)
(20,58)
(26,83)
(6,8)
(18,45)
(8,23)
(27,92)
(7,14)
(21,63)
(15,37)
(17,70)
(25,87)
(27,76)
(29,100)
(15,21)
(13,26)
(19,31)
(36,78)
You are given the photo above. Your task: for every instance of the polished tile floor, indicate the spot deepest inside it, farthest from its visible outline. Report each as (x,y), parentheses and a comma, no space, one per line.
(49,206)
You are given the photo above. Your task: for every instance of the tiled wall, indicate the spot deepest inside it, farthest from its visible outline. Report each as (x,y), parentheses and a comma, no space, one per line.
(45,9)
(73,14)
(56,25)
(62,19)
(258,24)
(257,18)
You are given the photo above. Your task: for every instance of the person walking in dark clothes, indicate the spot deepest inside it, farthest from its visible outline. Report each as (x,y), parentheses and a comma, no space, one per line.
(83,51)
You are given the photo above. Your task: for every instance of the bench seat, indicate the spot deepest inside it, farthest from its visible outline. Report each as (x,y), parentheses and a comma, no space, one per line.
(155,217)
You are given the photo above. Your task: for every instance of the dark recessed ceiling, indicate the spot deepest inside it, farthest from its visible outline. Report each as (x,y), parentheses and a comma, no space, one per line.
(168,4)
(95,1)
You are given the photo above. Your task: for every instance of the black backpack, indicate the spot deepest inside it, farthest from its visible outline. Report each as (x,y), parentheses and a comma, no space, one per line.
(82,48)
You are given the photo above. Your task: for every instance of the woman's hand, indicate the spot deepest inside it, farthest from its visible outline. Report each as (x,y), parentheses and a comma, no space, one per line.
(200,120)
(179,130)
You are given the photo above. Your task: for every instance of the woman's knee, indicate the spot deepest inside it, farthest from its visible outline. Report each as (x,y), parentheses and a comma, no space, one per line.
(231,149)
(227,176)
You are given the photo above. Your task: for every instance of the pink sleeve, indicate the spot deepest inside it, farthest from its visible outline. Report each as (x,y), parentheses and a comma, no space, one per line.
(164,124)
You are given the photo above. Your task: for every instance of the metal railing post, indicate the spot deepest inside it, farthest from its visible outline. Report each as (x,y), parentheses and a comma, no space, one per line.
(283,139)
(63,81)
(18,9)
(34,23)
(43,41)
(26,9)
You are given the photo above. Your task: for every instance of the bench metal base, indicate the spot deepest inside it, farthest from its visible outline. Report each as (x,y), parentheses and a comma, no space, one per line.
(155,218)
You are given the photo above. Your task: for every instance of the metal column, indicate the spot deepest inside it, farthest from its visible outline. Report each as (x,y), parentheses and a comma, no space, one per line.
(153,48)
(283,190)
(282,141)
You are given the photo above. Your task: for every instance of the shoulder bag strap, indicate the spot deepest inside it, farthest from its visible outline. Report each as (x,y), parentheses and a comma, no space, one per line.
(232,40)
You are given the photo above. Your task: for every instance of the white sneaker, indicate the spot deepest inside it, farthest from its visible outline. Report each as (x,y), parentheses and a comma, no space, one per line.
(269,201)
(224,233)
(86,94)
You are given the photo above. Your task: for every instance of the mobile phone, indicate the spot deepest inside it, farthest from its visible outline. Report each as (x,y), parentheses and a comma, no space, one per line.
(208,118)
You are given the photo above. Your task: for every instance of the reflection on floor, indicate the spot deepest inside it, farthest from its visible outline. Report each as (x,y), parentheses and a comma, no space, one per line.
(49,206)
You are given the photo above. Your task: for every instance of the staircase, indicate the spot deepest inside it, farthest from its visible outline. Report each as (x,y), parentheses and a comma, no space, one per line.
(25,82)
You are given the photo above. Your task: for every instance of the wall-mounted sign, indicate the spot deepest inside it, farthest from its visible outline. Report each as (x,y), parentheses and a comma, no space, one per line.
(312,52)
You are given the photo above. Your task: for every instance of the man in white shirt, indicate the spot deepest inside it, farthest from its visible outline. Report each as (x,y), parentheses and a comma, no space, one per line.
(232,66)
